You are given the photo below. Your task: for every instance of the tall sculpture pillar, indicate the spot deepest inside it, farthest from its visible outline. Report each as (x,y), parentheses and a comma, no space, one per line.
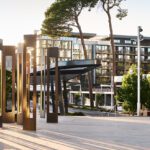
(19,55)
(65,96)
(29,83)
(1,43)
(52,53)
(8,83)
(42,89)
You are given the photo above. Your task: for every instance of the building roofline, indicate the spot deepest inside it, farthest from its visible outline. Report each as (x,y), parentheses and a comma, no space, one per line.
(129,36)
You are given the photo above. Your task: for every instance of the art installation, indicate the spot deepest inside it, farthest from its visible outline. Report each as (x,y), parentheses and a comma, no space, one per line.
(29,67)
(21,72)
(19,55)
(1,42)
(8,84)
(52,54)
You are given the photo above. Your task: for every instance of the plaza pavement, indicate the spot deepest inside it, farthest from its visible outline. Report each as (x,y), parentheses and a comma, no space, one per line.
(80,133)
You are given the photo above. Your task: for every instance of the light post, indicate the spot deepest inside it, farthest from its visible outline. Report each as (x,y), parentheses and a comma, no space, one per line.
(139,38)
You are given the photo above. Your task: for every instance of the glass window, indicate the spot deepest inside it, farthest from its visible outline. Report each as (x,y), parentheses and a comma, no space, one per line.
(135,57)
(120,56)
(148,58)
(104,56)
(134,42)
(104,47)
(142,49)
(127,57)
(142,57)
(116,41)
(120,48)
(127,41)
(128,48)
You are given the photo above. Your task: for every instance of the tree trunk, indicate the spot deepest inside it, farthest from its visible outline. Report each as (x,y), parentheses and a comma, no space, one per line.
(113,50)
(85,56)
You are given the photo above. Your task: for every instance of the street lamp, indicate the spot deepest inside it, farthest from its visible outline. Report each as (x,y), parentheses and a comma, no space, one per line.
(139,39)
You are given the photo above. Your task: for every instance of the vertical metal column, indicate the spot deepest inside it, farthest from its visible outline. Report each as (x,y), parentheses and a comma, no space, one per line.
(19,88)
(52,93)
(60,99)
(65,96)
(52,52)
(30,43)
(8,116)
(1,43)
(42,93)
(82,89)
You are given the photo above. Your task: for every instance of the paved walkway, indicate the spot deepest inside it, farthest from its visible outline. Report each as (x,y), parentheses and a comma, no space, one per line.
(80,133)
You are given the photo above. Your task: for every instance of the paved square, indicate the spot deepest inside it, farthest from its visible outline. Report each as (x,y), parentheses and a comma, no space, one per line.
(80,133)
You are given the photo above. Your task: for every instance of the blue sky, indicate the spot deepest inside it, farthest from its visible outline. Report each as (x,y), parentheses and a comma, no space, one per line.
(19,17)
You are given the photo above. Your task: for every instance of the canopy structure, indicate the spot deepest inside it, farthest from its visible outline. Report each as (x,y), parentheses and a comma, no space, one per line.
(70,69)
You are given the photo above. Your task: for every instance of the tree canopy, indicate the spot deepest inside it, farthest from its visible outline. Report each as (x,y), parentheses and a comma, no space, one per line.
(107,5)
(128,91)
(62,15)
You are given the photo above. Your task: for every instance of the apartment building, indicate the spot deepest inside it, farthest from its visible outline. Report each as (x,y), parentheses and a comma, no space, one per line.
(98,47)
(126,55)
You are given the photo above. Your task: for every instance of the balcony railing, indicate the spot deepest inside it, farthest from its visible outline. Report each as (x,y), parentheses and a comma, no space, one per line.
(130,59)
(106,74)
(102,89)
(106,51)
(120,67)
(119,59)
(130,52)
(119,52)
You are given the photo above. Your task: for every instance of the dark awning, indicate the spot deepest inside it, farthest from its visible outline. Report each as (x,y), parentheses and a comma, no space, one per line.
(70,69)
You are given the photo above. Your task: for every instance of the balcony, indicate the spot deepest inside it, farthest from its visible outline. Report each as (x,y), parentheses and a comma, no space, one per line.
(106,67)
(142,53)
(119,52)
(106,51)
(106,59)
(146,68)
(106,74)
(119,59)
(120,67)
(130,52)
(130,59)
(102,89)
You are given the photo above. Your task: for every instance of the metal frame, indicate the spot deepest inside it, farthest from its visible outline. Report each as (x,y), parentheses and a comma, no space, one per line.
(42,93)
(19,55)
(52,52)
(19,89)
(29,123)
(8,117)
(1,43)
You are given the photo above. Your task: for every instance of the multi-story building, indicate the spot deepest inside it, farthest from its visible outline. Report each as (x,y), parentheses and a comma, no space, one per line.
(98,47)
(126,55)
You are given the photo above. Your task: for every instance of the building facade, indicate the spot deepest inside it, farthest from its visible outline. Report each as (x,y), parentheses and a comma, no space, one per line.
(126,55)
(98,47)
